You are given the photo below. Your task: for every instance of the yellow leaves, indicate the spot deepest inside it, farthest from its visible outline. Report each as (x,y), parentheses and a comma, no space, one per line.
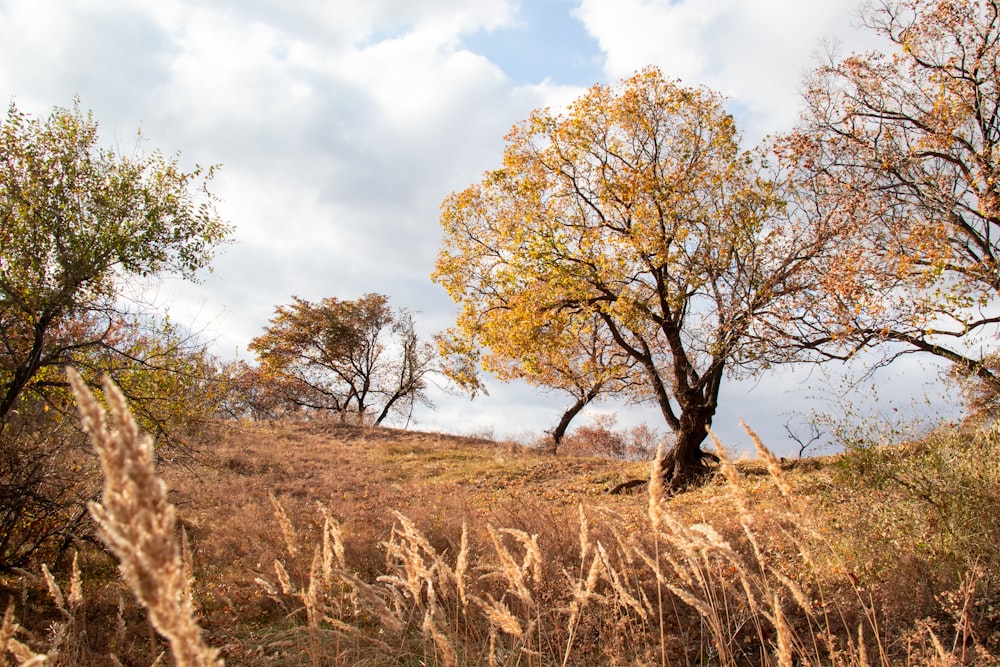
(634,202)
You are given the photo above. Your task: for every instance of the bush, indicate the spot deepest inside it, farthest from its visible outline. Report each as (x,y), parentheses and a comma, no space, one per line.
(47,473)
(933,505)
(602,439)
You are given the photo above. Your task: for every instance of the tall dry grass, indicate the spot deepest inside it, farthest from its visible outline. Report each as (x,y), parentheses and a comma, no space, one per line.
(138,524)
(772,591)
(770,585)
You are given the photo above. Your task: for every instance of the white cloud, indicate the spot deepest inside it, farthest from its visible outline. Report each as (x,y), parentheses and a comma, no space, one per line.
(341,125)
(753,51)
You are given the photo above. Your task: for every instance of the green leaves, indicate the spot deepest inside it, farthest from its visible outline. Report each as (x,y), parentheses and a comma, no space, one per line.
(77,221)
(79,213)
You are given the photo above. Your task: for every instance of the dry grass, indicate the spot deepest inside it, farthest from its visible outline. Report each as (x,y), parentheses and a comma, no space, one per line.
(321,544)
(137,523)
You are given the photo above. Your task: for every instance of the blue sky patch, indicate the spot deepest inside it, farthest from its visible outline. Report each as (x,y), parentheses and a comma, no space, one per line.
(546,42)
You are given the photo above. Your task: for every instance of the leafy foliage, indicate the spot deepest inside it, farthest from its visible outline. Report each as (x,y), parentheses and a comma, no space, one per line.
(344,357)
(981,396)
(906,144)
(79,224)
(253,393)
(566,353)
(635,222)
(167,373)
(76,222)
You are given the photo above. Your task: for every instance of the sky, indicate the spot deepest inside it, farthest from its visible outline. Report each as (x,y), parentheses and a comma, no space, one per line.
(341,125)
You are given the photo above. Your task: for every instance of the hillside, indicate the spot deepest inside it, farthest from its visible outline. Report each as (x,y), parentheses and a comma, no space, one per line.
(302,532)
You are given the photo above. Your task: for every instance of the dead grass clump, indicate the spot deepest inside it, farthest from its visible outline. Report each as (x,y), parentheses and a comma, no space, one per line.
(493,601)
(137,523)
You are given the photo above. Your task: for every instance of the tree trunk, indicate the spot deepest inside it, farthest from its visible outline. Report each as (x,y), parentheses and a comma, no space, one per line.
(24,372)
(696,394)
(559,432)
(685,463)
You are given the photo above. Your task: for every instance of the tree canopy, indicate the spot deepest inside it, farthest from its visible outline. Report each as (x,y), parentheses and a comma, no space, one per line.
(76,222)
(907,143)
(635,216)
(347,357)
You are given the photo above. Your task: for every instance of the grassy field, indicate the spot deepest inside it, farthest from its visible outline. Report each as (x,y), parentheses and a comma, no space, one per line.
(318,543)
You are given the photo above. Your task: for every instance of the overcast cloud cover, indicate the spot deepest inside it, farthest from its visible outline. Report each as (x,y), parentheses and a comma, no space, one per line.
(341,125)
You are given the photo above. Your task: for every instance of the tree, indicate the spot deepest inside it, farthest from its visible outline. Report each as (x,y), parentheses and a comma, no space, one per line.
(256,394)
(346,356)
(636,207)
(908,143)
(564,353)
(175,385)
(77,222)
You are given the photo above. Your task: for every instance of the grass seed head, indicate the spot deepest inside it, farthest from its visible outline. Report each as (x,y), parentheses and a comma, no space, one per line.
(137,522)
(784,634)
(772,462)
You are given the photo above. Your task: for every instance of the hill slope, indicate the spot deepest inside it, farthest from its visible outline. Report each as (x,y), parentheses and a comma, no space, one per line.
(320,543)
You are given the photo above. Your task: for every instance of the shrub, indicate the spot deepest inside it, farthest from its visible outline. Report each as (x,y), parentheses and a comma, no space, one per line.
(602,439)
(933,505)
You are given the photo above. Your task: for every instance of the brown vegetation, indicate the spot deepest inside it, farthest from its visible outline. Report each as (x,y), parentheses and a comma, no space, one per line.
(320,543)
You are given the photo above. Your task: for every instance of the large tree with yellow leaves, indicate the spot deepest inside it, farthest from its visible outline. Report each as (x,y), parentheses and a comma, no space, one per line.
(636,217)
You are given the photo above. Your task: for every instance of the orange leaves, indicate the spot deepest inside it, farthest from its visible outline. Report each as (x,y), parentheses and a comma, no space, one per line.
(902,152)
(344,356)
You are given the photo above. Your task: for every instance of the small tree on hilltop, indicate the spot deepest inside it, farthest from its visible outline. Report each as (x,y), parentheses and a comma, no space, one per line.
(561,352)
(636,208)
(346,356)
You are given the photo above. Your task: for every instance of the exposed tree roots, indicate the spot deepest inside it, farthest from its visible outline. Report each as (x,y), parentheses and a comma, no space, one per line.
(678,476)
